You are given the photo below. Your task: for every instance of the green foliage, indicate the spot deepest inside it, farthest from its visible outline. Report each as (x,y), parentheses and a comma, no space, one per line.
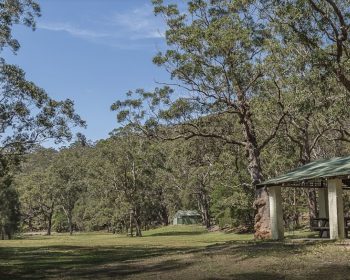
(36,189)
(258,87)
(16,12)
(60,223)
(69,179)
(319,27)
(10,208)
(9,201)
(22,126)
(28,115)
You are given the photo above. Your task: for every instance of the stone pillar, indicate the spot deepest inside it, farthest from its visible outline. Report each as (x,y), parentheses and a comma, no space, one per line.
(336,209)
(276,214)
(322,203)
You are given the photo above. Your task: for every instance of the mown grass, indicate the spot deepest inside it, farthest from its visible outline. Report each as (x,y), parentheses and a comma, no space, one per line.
(180,252)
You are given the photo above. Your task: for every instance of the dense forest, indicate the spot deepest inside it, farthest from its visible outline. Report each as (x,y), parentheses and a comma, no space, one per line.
(258,87)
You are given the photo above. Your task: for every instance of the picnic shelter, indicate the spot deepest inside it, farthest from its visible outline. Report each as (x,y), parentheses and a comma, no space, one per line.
(330,177)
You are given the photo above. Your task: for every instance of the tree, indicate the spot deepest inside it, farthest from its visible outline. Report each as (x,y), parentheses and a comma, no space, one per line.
(9,211)
(36,189)
(127,166)
(321,26)
(16,12)
(69,179)
(190,165)
(28,116)
(216,54)
(313,102)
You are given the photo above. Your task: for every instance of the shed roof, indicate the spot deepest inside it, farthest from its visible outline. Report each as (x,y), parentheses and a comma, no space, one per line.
(183,213)
(319,169)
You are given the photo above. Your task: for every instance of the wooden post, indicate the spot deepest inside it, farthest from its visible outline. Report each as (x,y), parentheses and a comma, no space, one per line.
(336,209)
(276,214)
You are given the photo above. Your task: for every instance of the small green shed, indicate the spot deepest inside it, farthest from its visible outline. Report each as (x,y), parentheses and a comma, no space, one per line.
(187,217)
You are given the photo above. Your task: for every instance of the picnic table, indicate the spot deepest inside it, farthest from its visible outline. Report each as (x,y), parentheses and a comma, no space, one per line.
(322,226)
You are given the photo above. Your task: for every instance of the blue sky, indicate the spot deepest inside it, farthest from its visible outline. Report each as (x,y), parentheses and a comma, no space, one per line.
(93,52)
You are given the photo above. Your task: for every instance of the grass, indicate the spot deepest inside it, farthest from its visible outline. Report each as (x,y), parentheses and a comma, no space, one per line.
(174,252)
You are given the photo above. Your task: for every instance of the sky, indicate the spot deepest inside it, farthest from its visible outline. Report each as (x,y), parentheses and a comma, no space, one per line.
(93,52)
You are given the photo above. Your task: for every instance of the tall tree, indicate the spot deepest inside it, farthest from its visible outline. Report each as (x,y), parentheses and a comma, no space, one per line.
(36,188)
(127,166)
(322,26)
(191,165)
(69,179)
(9,210)
(27,114)
(216,53)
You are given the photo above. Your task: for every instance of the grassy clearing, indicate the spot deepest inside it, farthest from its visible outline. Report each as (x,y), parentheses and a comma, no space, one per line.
(181,252)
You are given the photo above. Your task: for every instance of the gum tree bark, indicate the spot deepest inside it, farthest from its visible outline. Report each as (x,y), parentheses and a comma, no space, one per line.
(214,56)
(261,204)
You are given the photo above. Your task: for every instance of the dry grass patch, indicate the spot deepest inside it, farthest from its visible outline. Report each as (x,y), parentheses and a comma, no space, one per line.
(170,253)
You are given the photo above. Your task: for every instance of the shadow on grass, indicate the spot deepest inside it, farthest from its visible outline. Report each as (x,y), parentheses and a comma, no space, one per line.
(251,276)
(253,249)
(177,233)
(247,251)
(80,262)
(56,262)
(334,272)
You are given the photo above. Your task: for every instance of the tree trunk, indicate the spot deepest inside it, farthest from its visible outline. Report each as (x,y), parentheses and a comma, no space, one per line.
(69,214)
(204,207)
(138,224)
(164,215)
(261,203)
(131,218)
(70,224)
(30,224)
(262,217)
(312,201)
(126,229)
(252,149)
(206,218)
(49,223)
(138,228)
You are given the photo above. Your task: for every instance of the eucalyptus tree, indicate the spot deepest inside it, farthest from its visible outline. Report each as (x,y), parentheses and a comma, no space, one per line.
(37,192)
(231,196)
(314,101)
(69,179)
(27,114)
(190,167)
(126,166)
(10,207)
(215,56)
(321,26)
(16,12)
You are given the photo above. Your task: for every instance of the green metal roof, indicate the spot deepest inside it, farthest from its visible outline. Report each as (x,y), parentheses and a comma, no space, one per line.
(318,169)
(186,213)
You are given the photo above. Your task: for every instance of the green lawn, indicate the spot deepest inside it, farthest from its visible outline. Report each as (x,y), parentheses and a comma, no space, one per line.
(181,252)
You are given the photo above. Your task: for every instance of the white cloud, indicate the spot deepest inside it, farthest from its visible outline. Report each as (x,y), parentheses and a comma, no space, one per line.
(139,23)
(72,30)
(129,29)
